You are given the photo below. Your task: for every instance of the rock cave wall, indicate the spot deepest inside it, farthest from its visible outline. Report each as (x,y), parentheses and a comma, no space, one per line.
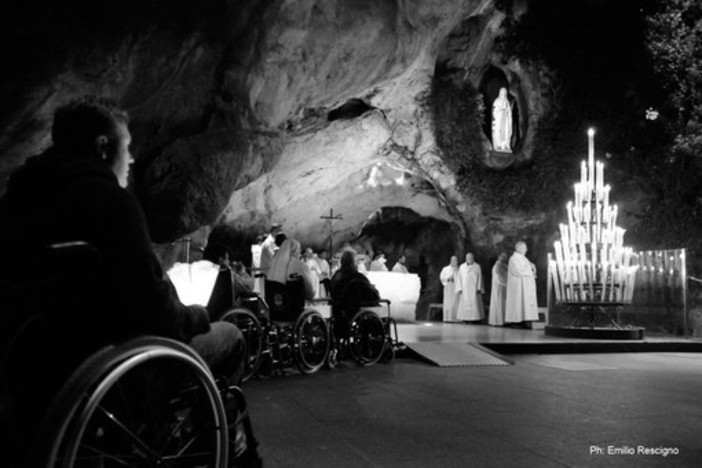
(247,112)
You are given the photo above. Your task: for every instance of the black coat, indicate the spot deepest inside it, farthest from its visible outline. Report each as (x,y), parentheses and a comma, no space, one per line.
(57,306)
(120,292)
(349,290)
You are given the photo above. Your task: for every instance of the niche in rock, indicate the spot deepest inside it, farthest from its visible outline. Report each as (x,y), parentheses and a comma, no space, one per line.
(427,243)
(491,84)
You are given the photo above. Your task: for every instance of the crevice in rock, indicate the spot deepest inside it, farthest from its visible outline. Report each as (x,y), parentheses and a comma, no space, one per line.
(349,110)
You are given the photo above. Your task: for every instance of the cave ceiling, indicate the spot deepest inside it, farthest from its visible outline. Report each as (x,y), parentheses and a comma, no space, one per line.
(247,112)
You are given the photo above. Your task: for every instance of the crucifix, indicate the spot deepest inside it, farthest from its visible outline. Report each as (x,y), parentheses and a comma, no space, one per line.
(330,218)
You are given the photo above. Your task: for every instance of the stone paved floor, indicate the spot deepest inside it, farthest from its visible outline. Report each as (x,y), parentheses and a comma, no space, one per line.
(544,411)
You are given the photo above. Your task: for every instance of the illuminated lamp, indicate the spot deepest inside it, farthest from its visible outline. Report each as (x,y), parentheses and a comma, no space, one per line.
(194,282)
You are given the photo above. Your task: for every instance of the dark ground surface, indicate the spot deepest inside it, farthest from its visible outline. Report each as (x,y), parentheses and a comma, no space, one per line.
(546,410)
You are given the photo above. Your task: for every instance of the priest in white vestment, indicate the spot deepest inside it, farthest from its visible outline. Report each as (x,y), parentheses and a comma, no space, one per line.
(399,266)
(379,263)
(310,259)
(502,123)
(268,248)
(325,273)
(498,292)
(449,278)
(470,291)
(521,305)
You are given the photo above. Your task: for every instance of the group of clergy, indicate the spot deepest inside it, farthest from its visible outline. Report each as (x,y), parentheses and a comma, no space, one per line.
(379,264)
(513,294)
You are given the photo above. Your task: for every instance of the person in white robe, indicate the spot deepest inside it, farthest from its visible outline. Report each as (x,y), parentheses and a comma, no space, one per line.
(449,279)
(470,291)
(498,292)
(378,264)
(521,305)
(256,253)
(361,264)
(324,273)
(502,123)
(399,266)
(287,264)
(268,248)
(310,259)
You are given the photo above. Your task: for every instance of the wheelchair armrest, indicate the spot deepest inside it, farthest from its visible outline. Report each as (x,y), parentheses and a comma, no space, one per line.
(320,300)
(248,295)
(375,303)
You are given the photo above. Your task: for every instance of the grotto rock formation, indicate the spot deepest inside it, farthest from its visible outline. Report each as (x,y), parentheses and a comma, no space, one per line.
(249,111)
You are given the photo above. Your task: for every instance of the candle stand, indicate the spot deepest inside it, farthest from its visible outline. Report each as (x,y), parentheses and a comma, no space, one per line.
(591,272)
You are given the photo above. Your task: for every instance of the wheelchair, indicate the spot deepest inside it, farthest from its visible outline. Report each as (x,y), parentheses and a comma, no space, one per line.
(366,337)
(280,330)
(147,402)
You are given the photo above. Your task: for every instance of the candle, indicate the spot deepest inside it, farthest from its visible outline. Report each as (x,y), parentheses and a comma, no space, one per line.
(603,256)
(615,211)
(583,173)
(593,249)
(600,176)
(588,212)
(607,188)
(591,155)
(598,213)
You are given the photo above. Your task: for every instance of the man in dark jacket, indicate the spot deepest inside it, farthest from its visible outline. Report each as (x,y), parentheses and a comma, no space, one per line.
(109,287)
(349,290)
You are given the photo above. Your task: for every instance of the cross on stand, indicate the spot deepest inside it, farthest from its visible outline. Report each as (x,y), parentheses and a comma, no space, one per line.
(330,218)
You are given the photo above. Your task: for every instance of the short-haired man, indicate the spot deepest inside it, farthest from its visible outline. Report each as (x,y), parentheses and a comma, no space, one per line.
(75,192)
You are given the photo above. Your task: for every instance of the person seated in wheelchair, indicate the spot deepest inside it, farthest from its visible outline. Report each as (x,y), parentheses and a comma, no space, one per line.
(350,290)
(76,191)
(234,285)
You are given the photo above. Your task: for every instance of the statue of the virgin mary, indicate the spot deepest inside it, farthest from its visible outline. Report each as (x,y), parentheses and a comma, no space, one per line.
(502,123)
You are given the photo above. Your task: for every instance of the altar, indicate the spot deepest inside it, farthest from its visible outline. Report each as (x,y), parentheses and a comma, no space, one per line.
(402,289)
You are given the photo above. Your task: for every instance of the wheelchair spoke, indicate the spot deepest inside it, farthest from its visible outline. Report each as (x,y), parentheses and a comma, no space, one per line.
(149,403)
(130,435)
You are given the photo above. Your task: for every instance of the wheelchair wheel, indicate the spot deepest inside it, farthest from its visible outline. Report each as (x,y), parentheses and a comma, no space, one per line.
(150,402)
(253,334)
(311,340)
(366,337)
